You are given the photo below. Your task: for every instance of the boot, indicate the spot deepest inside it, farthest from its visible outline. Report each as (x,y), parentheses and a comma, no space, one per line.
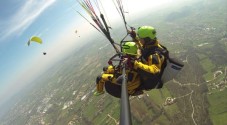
(98,93)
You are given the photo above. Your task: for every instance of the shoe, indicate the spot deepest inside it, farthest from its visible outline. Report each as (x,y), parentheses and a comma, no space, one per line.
(136,93)
(98,93)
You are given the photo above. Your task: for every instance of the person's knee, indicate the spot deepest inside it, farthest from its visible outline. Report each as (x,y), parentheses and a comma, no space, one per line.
(108,69)
(105,68)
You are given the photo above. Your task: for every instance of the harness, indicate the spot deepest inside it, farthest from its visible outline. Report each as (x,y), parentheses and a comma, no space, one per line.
(161,51)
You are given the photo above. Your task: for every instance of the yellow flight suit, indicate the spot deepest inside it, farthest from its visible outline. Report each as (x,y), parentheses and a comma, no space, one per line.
(149,67)
(111,75)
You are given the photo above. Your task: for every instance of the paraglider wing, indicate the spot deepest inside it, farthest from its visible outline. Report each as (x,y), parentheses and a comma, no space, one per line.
(35,39)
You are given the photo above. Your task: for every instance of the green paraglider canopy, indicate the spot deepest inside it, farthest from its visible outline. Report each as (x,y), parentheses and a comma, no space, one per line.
(35,39)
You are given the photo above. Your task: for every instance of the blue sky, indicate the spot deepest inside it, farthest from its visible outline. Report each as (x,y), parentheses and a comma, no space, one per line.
(55,21)
(21,19)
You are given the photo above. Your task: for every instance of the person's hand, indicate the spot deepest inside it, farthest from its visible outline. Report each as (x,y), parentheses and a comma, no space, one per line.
(125,60)
(132,33)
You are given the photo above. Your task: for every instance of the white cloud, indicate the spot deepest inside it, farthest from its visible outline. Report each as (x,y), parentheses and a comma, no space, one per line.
(24,17)
(63,45)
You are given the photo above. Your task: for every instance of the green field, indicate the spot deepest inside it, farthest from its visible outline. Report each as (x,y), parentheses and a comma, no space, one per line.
(218,107)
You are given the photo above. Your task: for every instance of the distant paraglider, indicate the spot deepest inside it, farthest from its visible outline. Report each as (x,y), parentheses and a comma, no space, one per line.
(35,39)
(76,33)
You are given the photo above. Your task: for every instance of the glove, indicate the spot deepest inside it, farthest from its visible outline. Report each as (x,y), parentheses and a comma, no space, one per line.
(132,34)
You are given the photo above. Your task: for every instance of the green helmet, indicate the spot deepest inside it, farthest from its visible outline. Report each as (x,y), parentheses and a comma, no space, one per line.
(129,48)
(147,31)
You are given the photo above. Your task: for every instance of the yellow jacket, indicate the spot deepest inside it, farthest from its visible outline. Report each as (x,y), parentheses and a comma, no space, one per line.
(110,75)
(150,65)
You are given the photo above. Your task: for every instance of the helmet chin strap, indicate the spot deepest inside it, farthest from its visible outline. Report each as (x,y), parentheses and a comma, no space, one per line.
(148,41)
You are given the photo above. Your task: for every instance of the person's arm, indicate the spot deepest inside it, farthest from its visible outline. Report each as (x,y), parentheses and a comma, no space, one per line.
(153,66)
(135,38)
